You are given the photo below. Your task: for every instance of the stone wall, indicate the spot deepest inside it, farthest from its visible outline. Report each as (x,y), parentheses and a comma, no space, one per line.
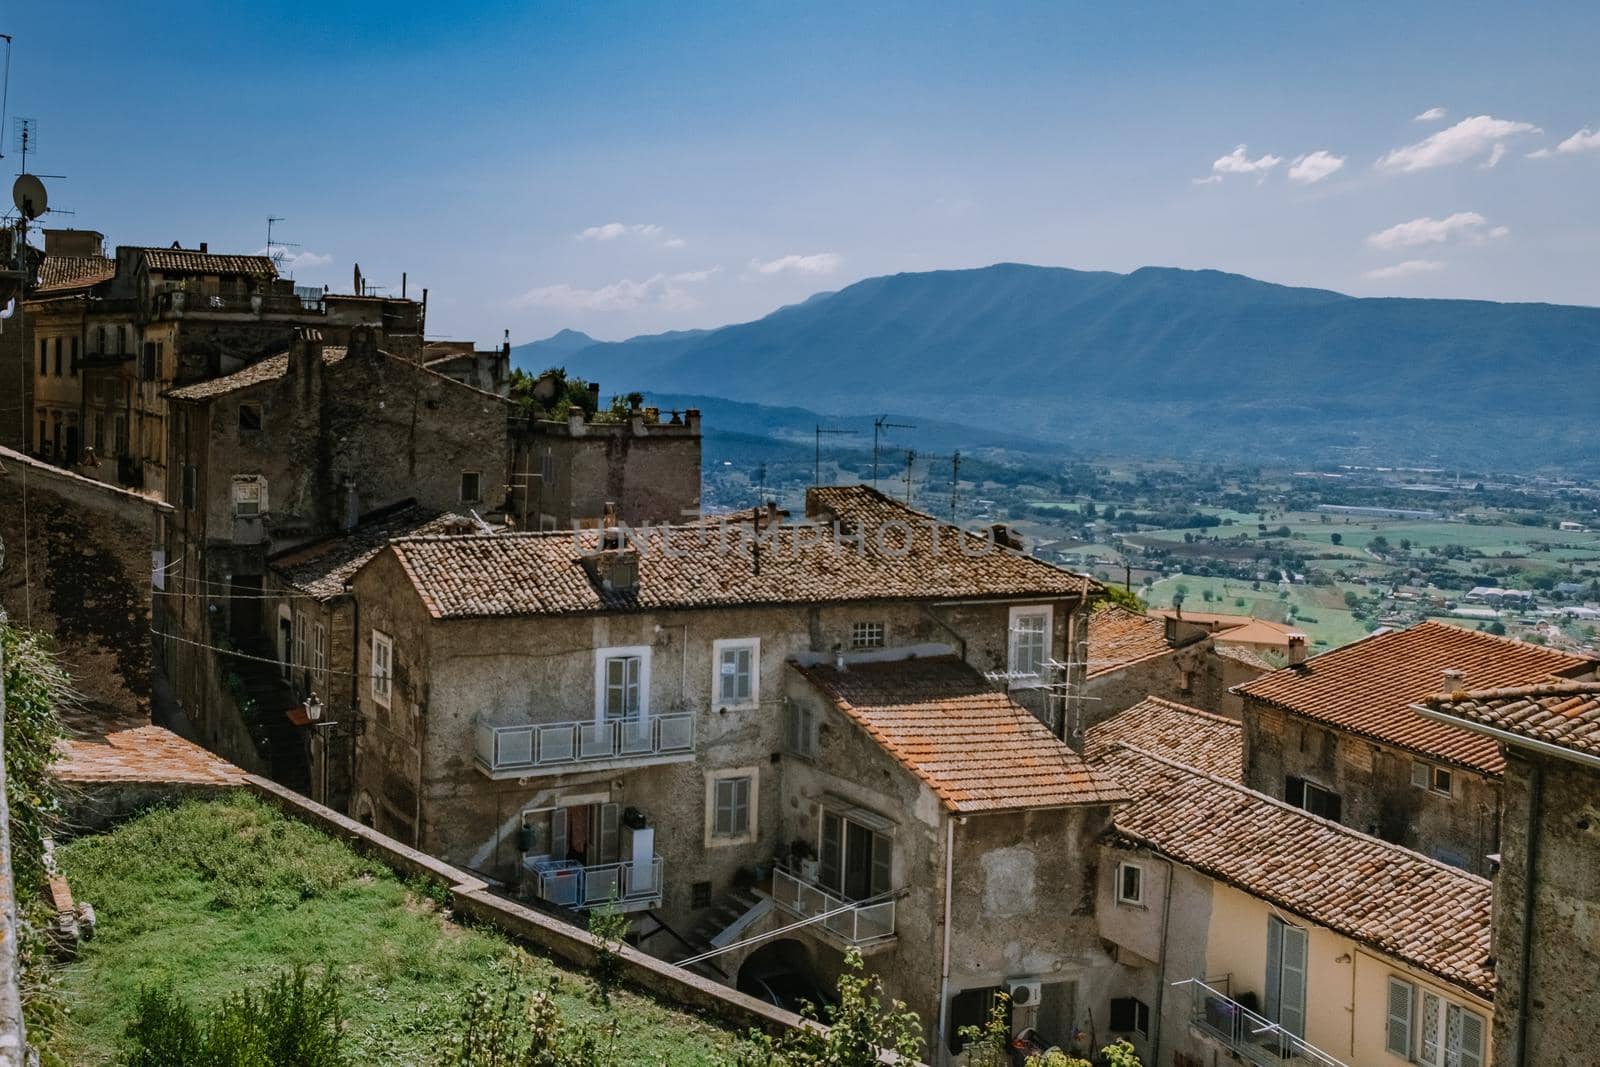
(82,573)
(649,470)
(1193,674)
(1374,785)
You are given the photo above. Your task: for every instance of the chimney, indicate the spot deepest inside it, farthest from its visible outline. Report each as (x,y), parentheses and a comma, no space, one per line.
(204,248)
(1005,538)
(305,356)
(1297,649)
(1455,681)
(352,504)
(594,395)
(692,418)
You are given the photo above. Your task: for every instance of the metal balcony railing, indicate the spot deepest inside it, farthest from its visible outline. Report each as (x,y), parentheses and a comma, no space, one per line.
(1254,1037)
(630,885)
(856,923)
(533,747)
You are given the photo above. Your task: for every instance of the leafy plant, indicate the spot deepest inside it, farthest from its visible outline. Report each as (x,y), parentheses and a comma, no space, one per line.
(860,1028)
(607,926)
(510,1029)
(291,1023)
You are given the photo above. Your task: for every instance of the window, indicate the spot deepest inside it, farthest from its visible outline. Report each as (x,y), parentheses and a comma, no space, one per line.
(1312,797)
(1130,1015)
(120,423)
(972,1008)
(72,359)
(189,473)
(857,854)
(1029,645)
(471,489)
(147,369)
(800,729)
(382,667)
(58,358)
(249,496)
(1130,884)
(44,355)
(731,806)
(1439,780)
(866,635)
(1425,1028)
(249,418)
(122,339)
(319,651)
(622,683)
(738,665)
(547,469)
(1286,975)
(302,625)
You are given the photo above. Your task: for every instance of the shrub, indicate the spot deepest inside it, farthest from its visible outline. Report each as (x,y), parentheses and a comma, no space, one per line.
(607,926)
(860,1027)
(289,1024)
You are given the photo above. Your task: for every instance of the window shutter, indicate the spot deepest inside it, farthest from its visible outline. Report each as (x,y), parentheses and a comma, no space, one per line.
(1430,1029)
(1466,1038)
(1402,998)
(830,865)
(722,818)
(1292,989)
(1122,1014)
(741,805)
(1294,791)
(558,834)
(882,862)
(1419,774)
(609,832)
(1274,965)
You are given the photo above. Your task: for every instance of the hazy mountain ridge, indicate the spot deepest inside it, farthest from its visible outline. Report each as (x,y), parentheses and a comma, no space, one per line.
(1159,361)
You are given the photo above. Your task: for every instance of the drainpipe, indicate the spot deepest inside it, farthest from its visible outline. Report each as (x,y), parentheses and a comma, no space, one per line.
(1161,964)
(1530,878)
(944,971)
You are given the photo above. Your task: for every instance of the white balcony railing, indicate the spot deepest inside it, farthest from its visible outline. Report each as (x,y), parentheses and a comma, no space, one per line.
(856,923)
(629,885)
(1254,1037)
(533,747)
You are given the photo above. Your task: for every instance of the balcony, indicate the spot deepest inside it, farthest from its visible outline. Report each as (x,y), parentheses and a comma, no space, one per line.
(632,885)
(1253,1037)
(553,748)
(852,922)
(178,303)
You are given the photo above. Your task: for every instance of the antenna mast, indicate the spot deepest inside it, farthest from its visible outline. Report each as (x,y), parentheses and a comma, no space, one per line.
(816,473)
(911,457)
(879,425)
(955,483)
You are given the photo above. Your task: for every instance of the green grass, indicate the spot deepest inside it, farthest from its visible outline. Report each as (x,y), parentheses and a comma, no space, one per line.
(210,896)
(1333,625)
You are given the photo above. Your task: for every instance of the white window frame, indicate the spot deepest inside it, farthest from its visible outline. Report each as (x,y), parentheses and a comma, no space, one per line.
(1013,643)
(1425,776)
(249,496)
(300,654)
(719,648)
(462,488)
(801,736)
(1136,900)
(1426,1002)
(601,657)
(319,653)
(876,632)
(752,826)
(382,668)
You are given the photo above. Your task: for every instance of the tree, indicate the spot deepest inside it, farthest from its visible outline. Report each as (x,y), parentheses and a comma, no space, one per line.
(1337,538)
(860,1028)
(1351,600)
(1379,545)
(1116,594)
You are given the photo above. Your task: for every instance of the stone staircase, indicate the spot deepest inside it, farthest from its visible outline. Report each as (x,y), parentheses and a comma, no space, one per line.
(722,925)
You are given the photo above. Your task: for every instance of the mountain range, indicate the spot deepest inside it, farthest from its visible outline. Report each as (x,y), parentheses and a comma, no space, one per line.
(1158,362)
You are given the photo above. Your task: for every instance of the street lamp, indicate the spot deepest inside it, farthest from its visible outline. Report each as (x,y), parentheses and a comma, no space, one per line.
(313,708)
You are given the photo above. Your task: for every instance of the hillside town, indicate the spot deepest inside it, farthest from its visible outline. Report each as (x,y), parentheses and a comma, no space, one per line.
(281,539)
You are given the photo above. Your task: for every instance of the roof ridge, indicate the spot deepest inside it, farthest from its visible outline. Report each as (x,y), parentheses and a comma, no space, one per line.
(1347,831)
(1502,638)
(1189,709)
(1565,687)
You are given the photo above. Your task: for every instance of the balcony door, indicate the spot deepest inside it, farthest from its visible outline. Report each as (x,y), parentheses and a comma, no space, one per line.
(855,858)
(582,834)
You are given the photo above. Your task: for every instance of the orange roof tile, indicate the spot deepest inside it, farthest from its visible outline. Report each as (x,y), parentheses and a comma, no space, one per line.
(1119,638)
(1212,743)
(1369,687)
(1401,903)
(882,550)
(1561,713)
(65,274)
(142,754)
(323,567)
(1256,632)
(975,747)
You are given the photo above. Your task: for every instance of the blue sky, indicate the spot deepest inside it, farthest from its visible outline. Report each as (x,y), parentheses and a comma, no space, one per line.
(627,168)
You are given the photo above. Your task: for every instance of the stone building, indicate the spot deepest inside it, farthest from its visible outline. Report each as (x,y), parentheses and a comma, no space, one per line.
(1547,891)
(489,370)
(1337,735)
(1247,930)
(291,449)
(1210,743)
(565,472)
(1133,656)
(662,719)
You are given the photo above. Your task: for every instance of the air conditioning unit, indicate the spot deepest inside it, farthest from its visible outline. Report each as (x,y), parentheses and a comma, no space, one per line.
(1023,994)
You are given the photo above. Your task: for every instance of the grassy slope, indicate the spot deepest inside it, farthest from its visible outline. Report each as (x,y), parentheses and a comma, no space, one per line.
(209,896)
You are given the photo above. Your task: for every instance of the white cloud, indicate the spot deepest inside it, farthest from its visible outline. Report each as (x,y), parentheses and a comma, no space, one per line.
(1463,225)
(1585,140)
(1239,162)
(1405,270)
(1465,140)
(1210,179)
(817,263)
(288,259)
(657,291)
(1314,166)
(1496,154)
(1433,114)
(644,231)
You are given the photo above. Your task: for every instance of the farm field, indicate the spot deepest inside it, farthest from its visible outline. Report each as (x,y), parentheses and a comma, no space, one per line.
(1318,610)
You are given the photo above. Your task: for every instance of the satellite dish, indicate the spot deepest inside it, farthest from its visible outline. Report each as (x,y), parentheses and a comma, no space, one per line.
(27,192)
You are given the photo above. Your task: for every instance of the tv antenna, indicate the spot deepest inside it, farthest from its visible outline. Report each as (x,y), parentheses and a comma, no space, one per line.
(761,485)
(911,458)
(277,250)
(24,136)
(955,482)
(816,474)
(879,425)
(5,91)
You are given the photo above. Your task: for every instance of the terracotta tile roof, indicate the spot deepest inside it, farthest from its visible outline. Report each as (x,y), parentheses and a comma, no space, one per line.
(1247,656)
(1119,638)
(1257,632)
(1211,743)
(1562,713)
(62,274)
(1399,902)
(142,754)
(975,747)
(321,569)
(188,261)
(271,369)
(886,552)
(1212,620)
(1368,687)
